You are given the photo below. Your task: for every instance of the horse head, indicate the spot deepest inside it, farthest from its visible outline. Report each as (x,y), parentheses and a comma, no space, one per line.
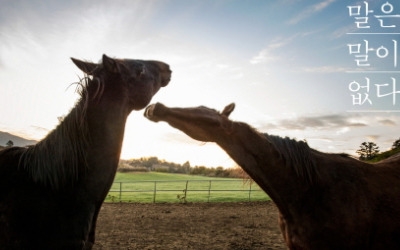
(137,80)
(200,123)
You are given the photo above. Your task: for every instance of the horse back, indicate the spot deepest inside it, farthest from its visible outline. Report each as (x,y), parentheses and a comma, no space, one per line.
(354,205)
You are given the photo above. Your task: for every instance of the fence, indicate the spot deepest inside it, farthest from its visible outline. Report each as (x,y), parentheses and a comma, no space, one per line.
(186,191)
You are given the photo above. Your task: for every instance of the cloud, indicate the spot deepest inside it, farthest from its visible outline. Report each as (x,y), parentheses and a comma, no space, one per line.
(310,11)
(387,122)
(325,69)
(343,31)
(340,122)
(343,130)
(326,121)
(274,50)
(357,124)
(372,138)
(263,56)
(268,54)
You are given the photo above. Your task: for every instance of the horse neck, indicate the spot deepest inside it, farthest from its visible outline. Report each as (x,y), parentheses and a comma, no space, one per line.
(86,144)
(106,125)
(259,158)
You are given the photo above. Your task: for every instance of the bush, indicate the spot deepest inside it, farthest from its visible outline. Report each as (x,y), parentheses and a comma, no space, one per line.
(124,168)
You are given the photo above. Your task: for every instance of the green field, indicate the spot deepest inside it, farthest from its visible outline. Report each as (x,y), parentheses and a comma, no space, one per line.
(164,187)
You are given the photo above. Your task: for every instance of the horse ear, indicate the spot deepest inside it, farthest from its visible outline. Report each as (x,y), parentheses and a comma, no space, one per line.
(110,64)
(86,67)
(228,109)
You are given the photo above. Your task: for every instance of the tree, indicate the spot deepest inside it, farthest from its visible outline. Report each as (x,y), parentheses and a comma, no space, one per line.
(368,150)
(396,144)
(186,167)
(10,143)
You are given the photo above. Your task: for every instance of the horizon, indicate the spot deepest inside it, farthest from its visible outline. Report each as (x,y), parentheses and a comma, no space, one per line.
(167,161)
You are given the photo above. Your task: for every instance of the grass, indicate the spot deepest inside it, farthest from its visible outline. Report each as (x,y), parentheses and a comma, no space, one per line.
(165,187)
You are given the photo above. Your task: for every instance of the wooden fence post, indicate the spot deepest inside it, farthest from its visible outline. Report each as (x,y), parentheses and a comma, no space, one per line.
(120,191)
(209,192)
(155,191)
(250,191)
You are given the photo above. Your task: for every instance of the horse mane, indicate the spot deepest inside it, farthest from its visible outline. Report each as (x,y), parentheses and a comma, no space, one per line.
(60,158)
(297,155)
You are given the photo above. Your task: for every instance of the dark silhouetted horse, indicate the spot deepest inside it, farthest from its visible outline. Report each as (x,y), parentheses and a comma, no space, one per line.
(326,201)
(51,193)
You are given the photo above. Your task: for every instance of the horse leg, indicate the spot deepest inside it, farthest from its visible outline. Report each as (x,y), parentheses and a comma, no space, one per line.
(282,226)
(92,233)
(284,231)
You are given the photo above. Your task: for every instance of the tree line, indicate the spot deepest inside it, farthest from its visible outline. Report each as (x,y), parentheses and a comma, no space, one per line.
(146,164)
(369,151)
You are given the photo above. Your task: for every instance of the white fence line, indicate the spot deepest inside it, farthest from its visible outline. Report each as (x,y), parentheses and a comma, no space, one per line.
(185,190)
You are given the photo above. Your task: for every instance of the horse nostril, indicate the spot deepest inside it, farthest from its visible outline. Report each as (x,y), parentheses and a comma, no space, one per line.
(149,111)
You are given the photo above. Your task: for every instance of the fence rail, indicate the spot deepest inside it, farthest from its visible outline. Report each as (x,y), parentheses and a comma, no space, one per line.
(185,191)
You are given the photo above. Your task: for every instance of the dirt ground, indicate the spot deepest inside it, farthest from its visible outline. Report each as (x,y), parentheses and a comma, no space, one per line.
(248,225)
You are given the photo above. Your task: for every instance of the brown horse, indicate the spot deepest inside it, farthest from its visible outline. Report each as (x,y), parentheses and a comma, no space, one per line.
(326,201)
(51,193)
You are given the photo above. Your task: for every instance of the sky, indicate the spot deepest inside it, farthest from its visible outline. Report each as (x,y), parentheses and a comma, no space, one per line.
(324,71)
